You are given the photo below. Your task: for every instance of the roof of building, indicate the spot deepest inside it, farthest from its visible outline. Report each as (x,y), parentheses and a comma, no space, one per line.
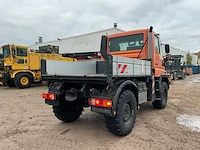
(58,39)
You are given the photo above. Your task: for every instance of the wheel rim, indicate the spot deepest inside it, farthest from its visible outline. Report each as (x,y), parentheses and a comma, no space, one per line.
(24,80)
(126,112)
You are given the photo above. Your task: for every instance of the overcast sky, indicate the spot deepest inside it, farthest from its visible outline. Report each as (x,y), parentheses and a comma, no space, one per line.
(23,21)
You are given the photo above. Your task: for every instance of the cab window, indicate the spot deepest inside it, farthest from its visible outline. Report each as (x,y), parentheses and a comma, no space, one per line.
(21,51)
(157,46)
(6,51)
(13,52)
(131,42)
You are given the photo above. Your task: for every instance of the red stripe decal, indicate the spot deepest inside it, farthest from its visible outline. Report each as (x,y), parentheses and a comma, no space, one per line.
(119,65)
(123,69)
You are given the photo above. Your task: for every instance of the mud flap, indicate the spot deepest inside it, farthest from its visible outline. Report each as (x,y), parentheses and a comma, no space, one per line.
(52,102)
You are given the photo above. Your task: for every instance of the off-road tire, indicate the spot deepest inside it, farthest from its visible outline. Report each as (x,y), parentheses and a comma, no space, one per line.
(10,83)
(68,112)
(19,80)
(123,123)
(160,104)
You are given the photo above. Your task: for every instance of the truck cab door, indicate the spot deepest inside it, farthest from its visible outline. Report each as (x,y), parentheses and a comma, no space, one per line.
(21,58)
(159,68)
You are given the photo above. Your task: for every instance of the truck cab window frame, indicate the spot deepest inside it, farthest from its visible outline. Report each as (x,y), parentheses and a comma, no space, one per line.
(6,51)
(21,51)
(157,44)
(124,43)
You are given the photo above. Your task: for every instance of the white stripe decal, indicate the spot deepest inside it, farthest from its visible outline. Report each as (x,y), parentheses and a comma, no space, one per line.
(153,84)
(122,68)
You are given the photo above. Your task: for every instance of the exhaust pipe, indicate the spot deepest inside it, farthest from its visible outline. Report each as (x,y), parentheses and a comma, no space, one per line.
(70,96)
(103,47)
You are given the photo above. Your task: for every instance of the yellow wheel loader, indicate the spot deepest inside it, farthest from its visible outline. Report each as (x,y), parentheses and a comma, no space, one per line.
(20,67)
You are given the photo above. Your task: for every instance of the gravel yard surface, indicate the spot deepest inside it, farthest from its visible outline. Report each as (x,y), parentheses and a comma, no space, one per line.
(27,123)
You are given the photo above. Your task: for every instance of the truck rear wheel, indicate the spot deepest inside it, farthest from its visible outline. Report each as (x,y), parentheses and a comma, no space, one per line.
(23,80)
(160,104)
(68,112)
(124,120)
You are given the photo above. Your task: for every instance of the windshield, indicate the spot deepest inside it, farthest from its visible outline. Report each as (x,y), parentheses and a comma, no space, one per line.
(170,63)
(6,51)
(131,42)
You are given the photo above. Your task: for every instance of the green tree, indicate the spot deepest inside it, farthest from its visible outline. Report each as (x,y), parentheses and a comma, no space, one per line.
(189,59)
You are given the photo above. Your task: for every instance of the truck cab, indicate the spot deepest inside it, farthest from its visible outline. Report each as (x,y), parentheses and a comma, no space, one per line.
(138,44)
(15,56)
(176,67)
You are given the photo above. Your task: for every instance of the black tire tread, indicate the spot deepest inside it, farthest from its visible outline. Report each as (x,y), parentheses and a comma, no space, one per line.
(65,114)
(159,104)
(10,83)
(113,123)
(19,76)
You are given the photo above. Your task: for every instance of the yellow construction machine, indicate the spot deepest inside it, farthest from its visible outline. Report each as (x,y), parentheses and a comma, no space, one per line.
(20,67)
(1,57)
(198,59)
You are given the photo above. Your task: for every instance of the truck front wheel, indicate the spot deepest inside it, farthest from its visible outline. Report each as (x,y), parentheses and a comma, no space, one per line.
(23,80)
(68,112)
(124,120)
(160,104)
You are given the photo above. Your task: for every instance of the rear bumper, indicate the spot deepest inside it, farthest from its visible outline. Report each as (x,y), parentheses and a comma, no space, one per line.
(52,102)
(101,110)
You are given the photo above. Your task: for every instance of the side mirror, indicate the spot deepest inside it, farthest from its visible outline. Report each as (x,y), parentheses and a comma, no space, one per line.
(167,49)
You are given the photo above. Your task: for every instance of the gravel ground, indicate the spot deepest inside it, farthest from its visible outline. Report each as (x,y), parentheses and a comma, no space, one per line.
(27,123)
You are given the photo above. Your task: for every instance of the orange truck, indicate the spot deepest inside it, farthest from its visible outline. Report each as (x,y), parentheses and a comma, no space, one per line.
(130,73)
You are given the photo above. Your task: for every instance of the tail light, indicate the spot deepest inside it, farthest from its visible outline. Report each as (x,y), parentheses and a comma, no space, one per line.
(49,96)
(100,102)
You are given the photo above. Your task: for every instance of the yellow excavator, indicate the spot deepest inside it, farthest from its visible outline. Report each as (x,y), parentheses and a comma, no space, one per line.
(20,67)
